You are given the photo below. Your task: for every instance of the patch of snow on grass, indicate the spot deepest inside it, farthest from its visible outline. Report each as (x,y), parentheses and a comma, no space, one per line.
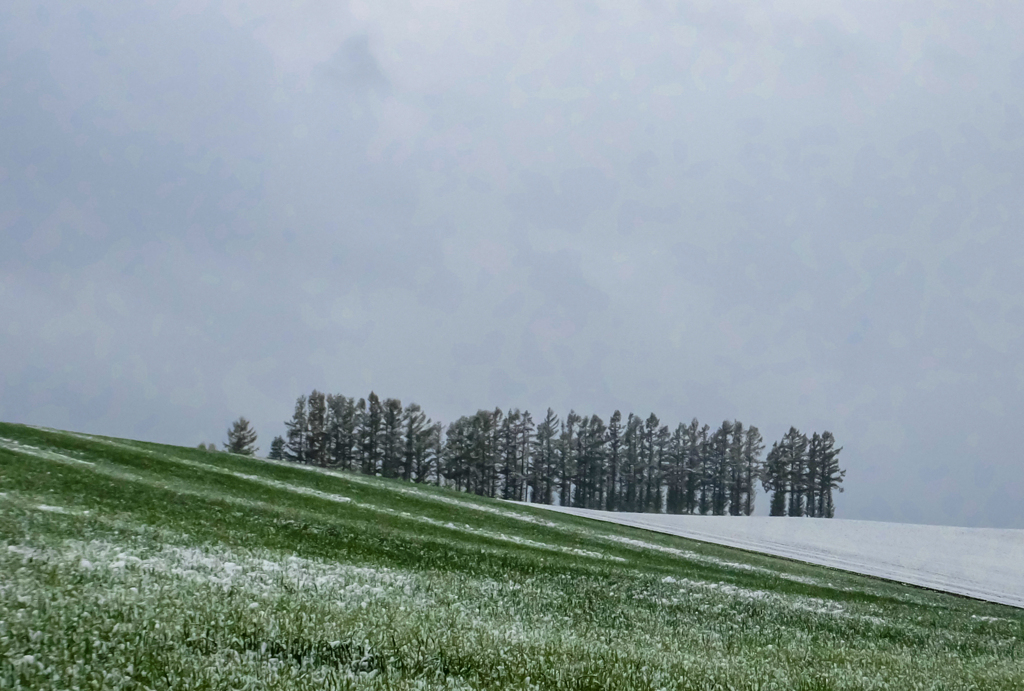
(17,447)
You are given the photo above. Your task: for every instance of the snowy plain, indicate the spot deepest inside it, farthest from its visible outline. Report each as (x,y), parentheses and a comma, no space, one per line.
(983,563)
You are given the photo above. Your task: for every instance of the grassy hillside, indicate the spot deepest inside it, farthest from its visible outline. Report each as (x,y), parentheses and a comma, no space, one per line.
(134,565)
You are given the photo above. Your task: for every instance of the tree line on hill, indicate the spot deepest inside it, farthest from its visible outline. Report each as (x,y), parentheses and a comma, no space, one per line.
(627,464)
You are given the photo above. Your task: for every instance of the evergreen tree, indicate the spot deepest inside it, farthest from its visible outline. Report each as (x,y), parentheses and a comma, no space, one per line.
(812,476)
(774,479)
(297,428)
(436,456)
(707,470)
(676,474)
(391,438)
(458,453)
(370,434)
(651,481)
(614,444)
(630,461)
(241,438)
(524,463)
(343,421)
(567,458)
(590,457)
(735,469)
(416,443)
(545,455)
(719,468)
(795,445)
(509,453)
(693,466)
(276,449)
(490,451)
(753,445)
(831,477)
(316,429)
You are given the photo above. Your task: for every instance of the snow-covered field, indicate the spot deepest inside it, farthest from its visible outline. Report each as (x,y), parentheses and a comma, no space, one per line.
(983,563)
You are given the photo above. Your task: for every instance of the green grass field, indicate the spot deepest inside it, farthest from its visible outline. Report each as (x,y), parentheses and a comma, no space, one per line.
(140,566)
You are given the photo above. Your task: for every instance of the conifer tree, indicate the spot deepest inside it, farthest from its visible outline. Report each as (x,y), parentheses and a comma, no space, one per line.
(545,455)
(706,464)
(775,478)
(662,442)
(241,438)
(614,442)
(490,450)
(633,472)
(676,474)
(720,469)
(276,449)
(416,442)
(735,471)
(650,463)
(391,451)
(370,433)
(812,476)
(753,445)
(566,458)
(430,463)
(297,428)
(343,421)
(693,467)
(831,477)
(458,453)
(795,445)
(509,453)
(524,463)
(590,462)
(316,429)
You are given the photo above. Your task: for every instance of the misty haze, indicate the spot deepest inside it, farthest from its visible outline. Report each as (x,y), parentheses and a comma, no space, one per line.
(511,345)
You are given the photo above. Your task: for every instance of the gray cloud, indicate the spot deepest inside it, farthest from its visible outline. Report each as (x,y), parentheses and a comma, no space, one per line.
(801,216)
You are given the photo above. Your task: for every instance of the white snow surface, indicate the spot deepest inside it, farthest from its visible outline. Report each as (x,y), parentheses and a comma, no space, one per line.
(983,563)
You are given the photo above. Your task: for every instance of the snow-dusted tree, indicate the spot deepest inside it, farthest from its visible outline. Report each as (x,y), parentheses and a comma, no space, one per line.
(276,449)
(241,438)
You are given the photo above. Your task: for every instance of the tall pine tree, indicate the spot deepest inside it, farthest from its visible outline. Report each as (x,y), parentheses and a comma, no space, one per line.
(297,429)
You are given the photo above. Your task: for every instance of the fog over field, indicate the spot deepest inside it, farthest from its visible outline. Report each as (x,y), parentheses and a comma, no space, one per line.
(792,213)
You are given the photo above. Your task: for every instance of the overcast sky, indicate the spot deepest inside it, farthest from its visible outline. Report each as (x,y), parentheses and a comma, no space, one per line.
(791,213)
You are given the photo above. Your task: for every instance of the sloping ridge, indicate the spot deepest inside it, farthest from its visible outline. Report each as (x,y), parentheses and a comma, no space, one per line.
(983,563)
